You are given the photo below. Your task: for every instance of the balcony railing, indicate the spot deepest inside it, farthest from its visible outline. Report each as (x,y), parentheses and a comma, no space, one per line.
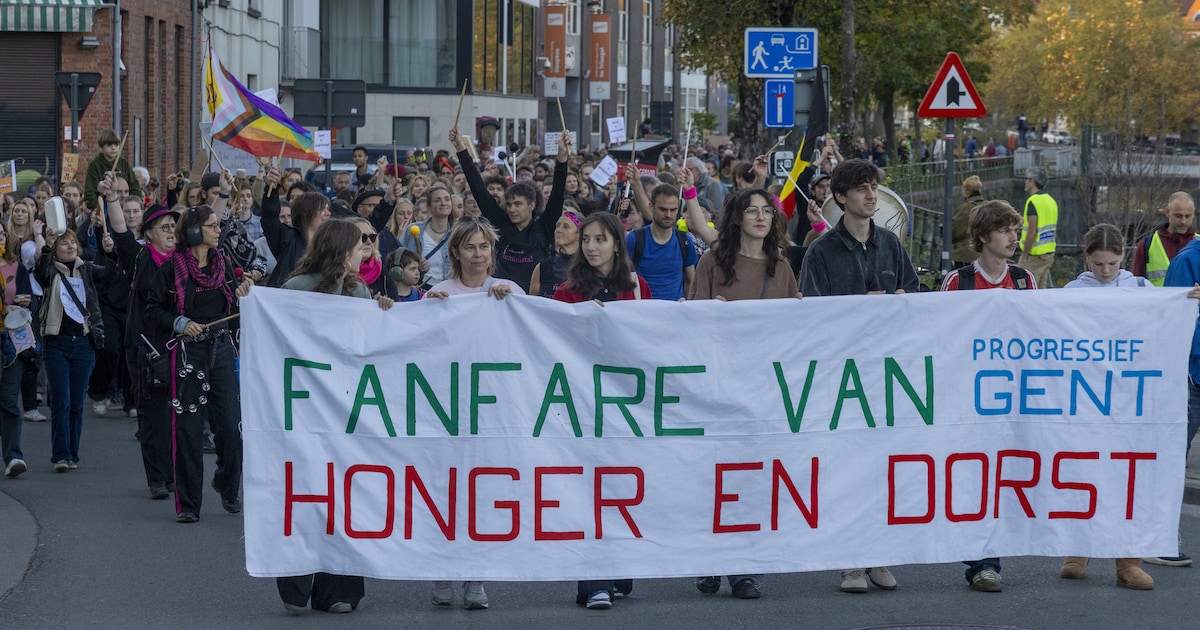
(300,57)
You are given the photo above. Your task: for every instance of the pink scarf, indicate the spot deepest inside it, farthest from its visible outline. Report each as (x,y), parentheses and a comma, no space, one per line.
(158,257)
(369,271)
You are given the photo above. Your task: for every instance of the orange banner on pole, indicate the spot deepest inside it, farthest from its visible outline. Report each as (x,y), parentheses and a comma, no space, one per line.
(556,50)
(600,87)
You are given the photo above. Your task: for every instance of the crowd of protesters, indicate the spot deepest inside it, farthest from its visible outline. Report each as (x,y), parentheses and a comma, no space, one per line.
(132,288)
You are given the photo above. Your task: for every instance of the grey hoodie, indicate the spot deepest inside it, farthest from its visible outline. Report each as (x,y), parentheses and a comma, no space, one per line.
(1087,280)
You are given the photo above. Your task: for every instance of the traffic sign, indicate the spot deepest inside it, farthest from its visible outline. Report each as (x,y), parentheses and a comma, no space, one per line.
(779,101)
(85,84)
(777,53)
(952,94)
(781,163)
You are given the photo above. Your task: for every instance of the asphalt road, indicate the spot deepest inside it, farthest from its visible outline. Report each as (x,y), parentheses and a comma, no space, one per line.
(89,549)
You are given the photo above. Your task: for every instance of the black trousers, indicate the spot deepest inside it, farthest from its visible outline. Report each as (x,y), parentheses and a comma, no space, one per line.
(324,589)
(153,405)
(585,588)
(110,375)
(221,408)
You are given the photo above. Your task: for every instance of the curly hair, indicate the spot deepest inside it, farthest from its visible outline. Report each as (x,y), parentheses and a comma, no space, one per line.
(326,257)
(729,232)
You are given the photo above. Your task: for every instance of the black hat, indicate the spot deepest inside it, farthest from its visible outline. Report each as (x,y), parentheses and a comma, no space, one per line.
(364,194)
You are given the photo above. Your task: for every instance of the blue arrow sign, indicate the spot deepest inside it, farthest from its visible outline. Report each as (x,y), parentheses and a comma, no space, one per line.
(779,102)
(777,53)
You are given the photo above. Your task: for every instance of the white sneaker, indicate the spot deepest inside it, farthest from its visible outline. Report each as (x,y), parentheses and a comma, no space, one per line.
(132,413)
(854,581)
(100,407)
(34,415)
(881,577)
(442,594)
(340,607)
(15,468)
(474,598)
(599,601)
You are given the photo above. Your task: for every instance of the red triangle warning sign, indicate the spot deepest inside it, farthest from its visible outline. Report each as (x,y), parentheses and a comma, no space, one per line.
(952,94)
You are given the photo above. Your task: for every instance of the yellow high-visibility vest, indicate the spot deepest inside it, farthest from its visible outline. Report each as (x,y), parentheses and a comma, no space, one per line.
(1047,218)
(1156,261)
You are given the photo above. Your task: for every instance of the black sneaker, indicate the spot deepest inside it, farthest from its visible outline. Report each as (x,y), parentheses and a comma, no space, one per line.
(746,588)
(233,506)
(158,491)
(708,585)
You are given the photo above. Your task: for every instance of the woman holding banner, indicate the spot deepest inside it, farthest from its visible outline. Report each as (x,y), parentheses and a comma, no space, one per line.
(601,271)
(746,262)
(1103,251)
(330,265)
(472,248)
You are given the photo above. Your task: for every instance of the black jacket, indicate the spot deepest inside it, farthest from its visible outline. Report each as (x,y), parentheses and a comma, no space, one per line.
(161,309)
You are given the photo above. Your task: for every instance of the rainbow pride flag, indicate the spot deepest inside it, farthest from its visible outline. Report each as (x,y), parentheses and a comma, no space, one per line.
(242,120)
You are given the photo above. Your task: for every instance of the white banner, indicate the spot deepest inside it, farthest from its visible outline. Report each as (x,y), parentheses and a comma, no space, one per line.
(534,440)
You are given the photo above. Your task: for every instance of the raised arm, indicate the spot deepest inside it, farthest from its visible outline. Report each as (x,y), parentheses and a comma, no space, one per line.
(696,221)
(553,209)
(487,204)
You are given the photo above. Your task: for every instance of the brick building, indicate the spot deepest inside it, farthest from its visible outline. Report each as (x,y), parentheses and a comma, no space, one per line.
(159,102)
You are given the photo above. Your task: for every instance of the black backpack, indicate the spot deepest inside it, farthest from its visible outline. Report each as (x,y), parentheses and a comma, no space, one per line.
(639,246)
(966,277)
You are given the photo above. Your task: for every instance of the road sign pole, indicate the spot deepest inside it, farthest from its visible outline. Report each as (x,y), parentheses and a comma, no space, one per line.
(74,112)
(948,205)
(329,126)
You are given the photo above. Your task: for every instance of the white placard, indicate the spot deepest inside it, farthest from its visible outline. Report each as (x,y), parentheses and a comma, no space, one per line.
(550,142)
(604,171)
(322,142)
(438,440)
(616,130)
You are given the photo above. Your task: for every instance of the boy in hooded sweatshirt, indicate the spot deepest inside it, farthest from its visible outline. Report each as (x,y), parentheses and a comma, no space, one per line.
(110,148)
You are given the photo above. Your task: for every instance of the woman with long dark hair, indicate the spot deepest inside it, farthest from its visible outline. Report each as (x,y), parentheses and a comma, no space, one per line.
(330,265)
(193,298)
(601,270)
(288,242)
(747,260)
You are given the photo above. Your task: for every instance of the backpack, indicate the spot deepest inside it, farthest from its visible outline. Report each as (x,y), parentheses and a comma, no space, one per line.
(966,277)
(639,246)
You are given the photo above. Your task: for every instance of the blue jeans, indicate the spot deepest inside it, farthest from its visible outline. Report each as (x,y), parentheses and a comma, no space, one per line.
(69,362)
(975,566)
(1193,412)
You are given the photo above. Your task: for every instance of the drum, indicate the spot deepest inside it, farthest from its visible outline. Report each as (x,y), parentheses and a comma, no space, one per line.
(890,211)
(56,215)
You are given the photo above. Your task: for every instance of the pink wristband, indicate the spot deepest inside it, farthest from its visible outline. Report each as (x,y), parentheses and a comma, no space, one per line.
(690,193)
(819,227)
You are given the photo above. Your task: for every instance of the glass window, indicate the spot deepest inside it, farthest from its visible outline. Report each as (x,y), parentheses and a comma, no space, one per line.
(413,132)
(421,43)
(353,37)
(622,33)
(489,43)
(572,17)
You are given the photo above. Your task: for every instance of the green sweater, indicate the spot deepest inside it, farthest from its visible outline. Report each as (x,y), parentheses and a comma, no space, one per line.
(95,175)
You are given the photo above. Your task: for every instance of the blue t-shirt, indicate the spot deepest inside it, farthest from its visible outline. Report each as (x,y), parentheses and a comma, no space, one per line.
(660,265)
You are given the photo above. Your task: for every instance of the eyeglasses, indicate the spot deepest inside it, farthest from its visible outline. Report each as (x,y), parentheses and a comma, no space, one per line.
(762,213)
(166,228)
(369,238)
(212,226)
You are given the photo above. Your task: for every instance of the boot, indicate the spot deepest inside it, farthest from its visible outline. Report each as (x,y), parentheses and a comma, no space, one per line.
(1074,568)
(1131,575)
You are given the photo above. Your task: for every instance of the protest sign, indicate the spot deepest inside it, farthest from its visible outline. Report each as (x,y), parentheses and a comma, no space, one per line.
(604,171)
(528,439)
(616,130)
(550,142)
(322,142)
(8,176)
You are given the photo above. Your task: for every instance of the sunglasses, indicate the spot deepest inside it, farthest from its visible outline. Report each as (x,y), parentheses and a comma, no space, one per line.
(369,238)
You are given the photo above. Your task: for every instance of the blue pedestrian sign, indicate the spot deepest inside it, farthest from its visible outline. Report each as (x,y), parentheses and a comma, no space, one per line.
(777,53)
(779,103)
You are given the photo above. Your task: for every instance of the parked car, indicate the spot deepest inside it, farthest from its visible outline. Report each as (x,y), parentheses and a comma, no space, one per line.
(1058,137)
(342,159)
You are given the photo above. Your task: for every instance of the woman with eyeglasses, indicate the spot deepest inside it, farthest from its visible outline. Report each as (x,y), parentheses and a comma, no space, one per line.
(371,270)
(192,300)
(746,261)
(329,266)
(145,348)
